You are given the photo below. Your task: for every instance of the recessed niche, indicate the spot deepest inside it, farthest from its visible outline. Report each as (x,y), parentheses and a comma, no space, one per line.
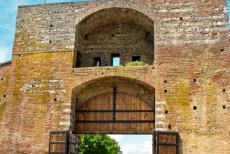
(194,80)
(181,18)
(4,95)
(92,40)
(194,107)
(86,36)
(51,25)
(224,90)
(55,99)
(165,91)
(50,41)
(169,127)
(165,81)
(221,50)
(224,107)
(166,111)
(1,79)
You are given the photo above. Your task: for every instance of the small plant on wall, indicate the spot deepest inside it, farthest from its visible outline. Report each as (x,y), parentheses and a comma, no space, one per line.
(135,63)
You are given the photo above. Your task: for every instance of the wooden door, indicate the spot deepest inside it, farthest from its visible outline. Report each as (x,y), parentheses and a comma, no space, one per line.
(59,142)
(165,143)
(118,113)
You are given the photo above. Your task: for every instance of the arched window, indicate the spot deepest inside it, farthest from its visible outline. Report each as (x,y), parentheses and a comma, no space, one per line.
(112,37)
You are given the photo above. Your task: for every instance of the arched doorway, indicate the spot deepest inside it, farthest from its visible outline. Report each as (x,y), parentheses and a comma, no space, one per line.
(114,105)
(122,33)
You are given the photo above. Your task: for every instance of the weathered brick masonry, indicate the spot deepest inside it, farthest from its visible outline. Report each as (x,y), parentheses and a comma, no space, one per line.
(190,70)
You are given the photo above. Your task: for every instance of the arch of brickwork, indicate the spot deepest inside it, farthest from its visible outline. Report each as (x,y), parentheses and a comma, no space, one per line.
(114,105)
(122,31)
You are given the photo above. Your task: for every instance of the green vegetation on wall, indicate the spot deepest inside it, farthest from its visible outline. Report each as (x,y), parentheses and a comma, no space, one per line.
(135,63)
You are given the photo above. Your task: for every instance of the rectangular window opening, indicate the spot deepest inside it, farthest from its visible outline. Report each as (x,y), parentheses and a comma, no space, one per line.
(97,61)
(136,58)
(115,59)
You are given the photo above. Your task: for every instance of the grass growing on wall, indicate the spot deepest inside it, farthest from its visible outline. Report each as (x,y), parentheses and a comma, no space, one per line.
(135,63)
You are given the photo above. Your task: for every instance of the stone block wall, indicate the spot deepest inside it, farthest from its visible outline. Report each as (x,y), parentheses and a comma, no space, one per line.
(190,73)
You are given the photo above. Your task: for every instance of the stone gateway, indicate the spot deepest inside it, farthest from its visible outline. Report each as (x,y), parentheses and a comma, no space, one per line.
(118,66)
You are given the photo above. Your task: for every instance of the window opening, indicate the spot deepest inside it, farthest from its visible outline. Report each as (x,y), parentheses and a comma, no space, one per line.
(115,59)
(136,58)
(97,61)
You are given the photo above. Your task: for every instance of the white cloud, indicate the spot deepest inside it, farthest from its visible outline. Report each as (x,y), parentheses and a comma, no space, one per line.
(2,57)
(118,138)
(5,54)
(134,144)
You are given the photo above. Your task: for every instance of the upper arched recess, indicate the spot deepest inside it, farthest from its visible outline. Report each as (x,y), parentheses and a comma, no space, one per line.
(120,34)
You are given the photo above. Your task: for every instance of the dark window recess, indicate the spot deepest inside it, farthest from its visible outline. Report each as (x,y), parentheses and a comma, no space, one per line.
(148,37)
(86,36)
(136,58)
(115,59)
(78,63)
(97,61)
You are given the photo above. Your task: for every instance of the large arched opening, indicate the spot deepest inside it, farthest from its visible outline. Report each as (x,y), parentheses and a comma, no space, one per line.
(114,105)
(114,36)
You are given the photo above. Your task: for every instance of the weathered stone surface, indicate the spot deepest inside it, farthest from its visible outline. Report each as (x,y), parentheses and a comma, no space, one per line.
(191,69)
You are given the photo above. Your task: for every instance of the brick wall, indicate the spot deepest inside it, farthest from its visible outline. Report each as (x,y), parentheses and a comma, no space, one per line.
(190,73)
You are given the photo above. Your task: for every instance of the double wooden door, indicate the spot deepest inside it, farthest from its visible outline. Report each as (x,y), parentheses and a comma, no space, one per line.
(115,113)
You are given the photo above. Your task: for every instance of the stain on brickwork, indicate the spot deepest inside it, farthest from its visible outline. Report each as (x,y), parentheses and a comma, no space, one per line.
(190,69)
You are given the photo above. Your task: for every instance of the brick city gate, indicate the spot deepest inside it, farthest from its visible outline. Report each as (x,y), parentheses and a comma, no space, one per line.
(116,105)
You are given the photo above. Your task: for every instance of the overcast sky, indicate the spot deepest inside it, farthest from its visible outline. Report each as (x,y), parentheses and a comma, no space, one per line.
(8,10)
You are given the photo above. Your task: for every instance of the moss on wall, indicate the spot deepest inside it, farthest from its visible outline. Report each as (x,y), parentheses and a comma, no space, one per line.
(178,103)
(211,98)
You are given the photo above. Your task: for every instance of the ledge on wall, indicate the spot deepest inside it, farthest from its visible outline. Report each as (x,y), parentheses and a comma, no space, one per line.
(131,67)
